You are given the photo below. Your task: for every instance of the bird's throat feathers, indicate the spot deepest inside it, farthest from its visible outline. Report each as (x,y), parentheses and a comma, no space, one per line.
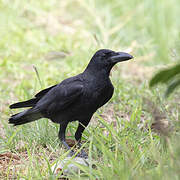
(98,69)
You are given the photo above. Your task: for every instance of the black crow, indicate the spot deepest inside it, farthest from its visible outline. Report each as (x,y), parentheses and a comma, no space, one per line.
(75,98)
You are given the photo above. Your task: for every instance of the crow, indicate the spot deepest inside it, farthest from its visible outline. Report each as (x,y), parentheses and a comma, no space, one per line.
(74,99)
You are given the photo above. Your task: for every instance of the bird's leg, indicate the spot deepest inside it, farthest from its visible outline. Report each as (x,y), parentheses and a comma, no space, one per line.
(62,138)
(78,136)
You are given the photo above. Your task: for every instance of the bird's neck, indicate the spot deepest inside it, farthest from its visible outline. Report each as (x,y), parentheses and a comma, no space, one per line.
(96,71)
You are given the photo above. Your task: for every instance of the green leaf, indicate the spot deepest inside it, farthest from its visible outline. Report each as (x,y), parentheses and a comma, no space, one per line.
(165,75)
(172,87)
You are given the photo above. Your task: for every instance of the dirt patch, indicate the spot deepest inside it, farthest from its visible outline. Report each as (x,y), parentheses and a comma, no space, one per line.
(9,163)
(136,73)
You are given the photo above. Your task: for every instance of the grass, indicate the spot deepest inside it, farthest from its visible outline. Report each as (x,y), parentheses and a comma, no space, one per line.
(59,38)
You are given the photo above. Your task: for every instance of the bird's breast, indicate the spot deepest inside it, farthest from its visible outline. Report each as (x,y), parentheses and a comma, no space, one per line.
(98,94)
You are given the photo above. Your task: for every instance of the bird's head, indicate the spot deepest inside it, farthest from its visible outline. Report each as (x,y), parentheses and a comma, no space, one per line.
(106,59)
(107,56)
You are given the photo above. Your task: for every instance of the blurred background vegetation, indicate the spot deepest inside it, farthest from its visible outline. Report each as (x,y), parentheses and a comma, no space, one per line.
(137,132)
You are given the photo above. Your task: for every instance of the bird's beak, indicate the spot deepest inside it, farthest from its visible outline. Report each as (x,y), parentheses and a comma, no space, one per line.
(121,56)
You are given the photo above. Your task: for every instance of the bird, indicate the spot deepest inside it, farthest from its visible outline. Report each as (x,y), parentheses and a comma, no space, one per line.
(74,99)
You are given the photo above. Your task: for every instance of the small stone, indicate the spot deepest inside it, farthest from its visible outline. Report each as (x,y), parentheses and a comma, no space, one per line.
(69,162)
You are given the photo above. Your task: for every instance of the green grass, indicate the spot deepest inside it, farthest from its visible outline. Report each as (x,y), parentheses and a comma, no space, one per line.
(120,140)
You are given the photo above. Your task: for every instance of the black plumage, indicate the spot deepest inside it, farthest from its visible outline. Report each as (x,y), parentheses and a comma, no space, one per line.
(75,98)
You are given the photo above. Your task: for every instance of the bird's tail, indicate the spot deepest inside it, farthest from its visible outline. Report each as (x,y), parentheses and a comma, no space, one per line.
(28,103)
(24,117)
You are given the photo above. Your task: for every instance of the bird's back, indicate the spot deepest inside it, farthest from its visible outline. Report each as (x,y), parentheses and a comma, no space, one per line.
(95,93)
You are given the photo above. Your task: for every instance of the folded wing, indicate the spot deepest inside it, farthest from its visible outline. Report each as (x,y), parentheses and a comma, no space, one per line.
(60,97)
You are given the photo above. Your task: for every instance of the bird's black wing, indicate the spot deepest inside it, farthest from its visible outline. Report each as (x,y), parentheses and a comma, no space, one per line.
(60,97)
(44,91)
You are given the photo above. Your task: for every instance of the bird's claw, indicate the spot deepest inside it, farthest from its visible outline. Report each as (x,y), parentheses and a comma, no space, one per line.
(71,153)
(81,154)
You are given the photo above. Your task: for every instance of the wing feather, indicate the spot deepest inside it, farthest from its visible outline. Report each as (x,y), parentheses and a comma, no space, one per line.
(44,91)
(60,97)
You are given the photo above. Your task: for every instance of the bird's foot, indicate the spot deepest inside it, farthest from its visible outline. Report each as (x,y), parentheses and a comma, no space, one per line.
(82,154)
(71,153)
